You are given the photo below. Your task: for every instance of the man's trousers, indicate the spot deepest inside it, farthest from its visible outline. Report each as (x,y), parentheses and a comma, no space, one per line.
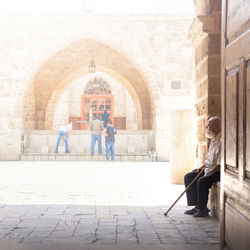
(197,194)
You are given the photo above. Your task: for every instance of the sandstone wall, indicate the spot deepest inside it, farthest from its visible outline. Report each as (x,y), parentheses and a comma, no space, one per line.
(182,144)
(157,46)
(206,35)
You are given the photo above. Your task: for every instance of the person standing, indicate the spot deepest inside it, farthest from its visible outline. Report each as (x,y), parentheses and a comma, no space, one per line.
(96,127)
(63,132)
(105,118)
(110,132)
(197,194)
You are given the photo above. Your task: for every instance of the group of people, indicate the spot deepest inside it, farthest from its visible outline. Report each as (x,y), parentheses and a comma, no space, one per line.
(98,126)
(197,193)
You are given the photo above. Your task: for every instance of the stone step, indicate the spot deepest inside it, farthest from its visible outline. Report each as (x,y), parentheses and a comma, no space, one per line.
(75,157)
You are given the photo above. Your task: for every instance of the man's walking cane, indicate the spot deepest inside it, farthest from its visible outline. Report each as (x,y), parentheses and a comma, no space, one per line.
(185,190)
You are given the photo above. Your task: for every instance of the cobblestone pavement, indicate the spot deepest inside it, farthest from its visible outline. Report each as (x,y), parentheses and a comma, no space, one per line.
(96,205)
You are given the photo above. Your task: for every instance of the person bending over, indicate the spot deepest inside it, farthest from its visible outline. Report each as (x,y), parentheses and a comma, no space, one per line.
(63,132)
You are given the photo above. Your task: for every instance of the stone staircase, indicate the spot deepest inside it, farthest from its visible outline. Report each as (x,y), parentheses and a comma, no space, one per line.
(77,157)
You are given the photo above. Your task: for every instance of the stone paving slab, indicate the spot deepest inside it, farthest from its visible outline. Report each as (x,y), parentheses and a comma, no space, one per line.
(122,246)
(106,222)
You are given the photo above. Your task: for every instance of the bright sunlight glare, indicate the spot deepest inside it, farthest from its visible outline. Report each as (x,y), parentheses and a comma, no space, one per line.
(96,6)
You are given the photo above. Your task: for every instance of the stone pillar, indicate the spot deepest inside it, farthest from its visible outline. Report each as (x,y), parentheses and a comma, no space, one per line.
(182,144)
(205,33)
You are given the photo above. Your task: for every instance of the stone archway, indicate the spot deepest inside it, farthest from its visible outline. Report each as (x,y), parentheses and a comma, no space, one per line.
(57,73)
(62,85)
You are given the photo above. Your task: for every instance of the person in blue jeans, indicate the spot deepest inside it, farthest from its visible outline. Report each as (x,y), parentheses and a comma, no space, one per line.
(63,132)
(96,127)
(110,132)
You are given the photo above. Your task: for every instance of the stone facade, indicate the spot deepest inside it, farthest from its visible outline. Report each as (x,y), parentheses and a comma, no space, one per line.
(206,36)
(182,144)
(43,56)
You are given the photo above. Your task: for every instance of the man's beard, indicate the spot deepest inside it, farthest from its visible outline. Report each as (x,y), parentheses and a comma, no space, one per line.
(210,134)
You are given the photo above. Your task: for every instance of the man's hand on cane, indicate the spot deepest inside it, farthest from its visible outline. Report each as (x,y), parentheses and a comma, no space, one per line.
(200,168)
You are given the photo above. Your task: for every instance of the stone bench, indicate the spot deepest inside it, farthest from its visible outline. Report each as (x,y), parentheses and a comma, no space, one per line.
(214,200)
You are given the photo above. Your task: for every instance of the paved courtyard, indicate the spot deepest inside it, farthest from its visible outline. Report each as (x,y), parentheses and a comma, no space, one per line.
(96,205)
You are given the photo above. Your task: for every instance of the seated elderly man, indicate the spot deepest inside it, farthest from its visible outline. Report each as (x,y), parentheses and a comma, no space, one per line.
(197,194)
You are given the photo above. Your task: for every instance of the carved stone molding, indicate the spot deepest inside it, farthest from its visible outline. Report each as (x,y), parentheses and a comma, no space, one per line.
(211,23)
(196,33)
(203,26)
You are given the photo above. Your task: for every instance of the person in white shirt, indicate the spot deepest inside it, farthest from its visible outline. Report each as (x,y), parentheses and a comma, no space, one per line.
(197,194)
(63,132)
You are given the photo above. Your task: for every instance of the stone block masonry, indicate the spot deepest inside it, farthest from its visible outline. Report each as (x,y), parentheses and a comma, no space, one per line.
(44,55)
(206,36)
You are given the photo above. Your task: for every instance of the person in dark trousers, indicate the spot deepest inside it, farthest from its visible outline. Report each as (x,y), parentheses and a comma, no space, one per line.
(110,132)
(197,194)
(105,118)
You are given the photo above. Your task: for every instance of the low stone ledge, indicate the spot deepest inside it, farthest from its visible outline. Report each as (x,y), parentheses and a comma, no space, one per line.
(87,157)
(214,200)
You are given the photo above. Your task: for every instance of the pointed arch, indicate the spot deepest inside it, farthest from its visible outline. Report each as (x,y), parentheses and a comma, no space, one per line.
(72,62)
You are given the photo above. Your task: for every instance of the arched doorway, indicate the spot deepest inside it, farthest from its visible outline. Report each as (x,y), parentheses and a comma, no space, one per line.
(71,62)
(96,99)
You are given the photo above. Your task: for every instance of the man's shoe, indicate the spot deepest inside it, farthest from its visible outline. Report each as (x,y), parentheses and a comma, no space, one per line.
(67,152)
(201,213)
(191,211)
(56,152)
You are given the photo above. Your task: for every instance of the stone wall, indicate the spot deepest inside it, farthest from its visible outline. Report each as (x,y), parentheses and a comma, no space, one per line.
(182,144)
(80,141)
(42,56)
(206,36)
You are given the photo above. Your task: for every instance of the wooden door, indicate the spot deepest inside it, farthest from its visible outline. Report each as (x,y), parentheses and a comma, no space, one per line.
(98,104)
(235,193)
